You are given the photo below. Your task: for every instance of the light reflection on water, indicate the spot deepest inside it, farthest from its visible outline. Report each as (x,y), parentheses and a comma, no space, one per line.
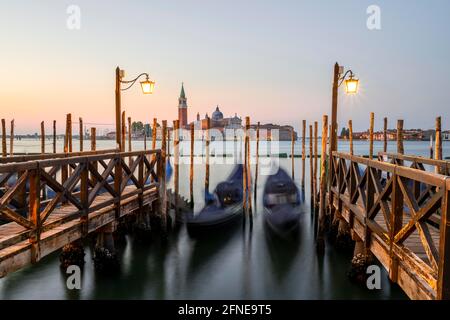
(237,264)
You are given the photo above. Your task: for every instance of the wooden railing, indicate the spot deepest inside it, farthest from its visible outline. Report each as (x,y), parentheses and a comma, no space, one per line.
(415,162)
(390,207)
(32,191)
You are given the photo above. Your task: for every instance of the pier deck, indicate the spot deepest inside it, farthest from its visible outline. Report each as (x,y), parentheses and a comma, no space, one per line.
(400,213)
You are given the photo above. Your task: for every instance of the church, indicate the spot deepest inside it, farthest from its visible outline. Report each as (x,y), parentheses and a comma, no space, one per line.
(217,120)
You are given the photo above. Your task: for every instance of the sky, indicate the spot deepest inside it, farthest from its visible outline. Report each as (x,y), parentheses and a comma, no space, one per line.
(270,60)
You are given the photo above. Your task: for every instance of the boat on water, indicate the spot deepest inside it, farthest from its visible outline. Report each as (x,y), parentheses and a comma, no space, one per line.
(282,205)
(224,209)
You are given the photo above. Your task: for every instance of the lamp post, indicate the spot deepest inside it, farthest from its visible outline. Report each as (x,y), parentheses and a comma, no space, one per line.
(147,87)
(351,87)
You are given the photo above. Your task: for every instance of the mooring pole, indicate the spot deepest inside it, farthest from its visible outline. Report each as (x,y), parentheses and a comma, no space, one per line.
(438,149)
(93,139)
(257,162)
(323,187)
(176,160)
(123,132)
(372,120)
(54,136)
(162,179)
(350,135)
(400,148)
(42,138)
(69,124)
(385,134)
(154,133)
(4,151)
(303,152)
(11,139)
(191,166)
(316,157)
(292,154)
(248,170)
(311,169)
(81,134)
(208,126)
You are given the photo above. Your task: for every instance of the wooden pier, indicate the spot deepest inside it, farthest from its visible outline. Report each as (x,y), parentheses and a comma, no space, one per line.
(91,191)
(399,211)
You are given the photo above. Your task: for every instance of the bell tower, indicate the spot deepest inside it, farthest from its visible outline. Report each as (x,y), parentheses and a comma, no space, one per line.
(182,108)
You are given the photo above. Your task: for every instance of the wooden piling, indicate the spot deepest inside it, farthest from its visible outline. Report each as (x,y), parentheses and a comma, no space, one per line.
(431,147)
(11,139)
(248,170)
(191,167)
(323,187)
(303,152)
(208,137)
(292,154)
(316,157)
(54,136)
(162,178)
(93,139)
(4,151)
(81,134)
(69,124)
(42,137)
(176,160)
(311,169)
(129,134)
(257,162)
(372,120)
(154,132)
(400,148)
(66,135)
(123,133)
(438,148)
(385,134)
(145,140)
(350,135)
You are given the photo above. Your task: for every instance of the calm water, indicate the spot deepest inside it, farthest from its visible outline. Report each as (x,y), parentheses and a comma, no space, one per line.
(239,264)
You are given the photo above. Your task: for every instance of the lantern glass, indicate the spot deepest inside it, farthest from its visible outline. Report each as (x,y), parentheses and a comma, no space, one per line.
(147,86)
(351,86)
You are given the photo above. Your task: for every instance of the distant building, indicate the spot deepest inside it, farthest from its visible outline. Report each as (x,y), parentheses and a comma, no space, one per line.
(182,108)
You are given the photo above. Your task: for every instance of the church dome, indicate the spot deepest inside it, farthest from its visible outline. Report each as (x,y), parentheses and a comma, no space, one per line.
(217,115)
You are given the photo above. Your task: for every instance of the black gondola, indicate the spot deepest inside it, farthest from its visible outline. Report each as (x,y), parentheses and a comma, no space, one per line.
(225,208)
(282,205)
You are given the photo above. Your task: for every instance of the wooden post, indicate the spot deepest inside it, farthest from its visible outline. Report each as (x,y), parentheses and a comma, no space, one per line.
(208,126)
(350,135)
(176,160)
(323,186)
(4,151)
(372,119)
(84,194)
(65,167)
(400,148)
(11,139)
(54,136)
(42,138)
(385,134)
(93,148)
(438,148)
(316,157)
(303,152)
(69,123)
(311,169)
(129,134)
(257,162)
(292,154)
(93,139)
(191,167)
(248,167)
(443,283)
(81,134)
(431,147)
(162,178)
(154,132)
(34,214)
(145,140)
(124,133)
(396,218)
